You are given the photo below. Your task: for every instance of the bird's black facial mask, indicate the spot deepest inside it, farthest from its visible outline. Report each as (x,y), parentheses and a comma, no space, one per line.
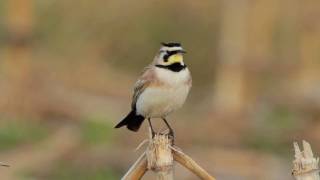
(173,61)
(175,56)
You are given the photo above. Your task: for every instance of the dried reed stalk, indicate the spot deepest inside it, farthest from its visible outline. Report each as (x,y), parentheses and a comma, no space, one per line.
(159,157)
(305,165)
(190,164)
(137,170)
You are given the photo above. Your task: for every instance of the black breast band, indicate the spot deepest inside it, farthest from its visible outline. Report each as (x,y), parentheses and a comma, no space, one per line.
(175,67)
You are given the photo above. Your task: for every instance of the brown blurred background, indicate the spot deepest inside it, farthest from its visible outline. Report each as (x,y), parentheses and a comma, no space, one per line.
(67,69)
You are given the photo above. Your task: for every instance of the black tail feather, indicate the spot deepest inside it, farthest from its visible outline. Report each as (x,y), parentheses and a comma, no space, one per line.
(132,121)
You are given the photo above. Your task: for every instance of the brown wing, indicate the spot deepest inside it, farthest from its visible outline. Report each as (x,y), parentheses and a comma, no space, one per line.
(147,78)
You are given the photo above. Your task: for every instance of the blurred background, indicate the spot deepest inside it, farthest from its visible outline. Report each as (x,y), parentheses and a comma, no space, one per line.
(67,69)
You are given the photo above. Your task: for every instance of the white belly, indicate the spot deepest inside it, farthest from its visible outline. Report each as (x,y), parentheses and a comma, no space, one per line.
(159,102)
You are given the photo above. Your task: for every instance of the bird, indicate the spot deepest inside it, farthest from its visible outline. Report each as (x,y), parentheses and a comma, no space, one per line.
(161,89)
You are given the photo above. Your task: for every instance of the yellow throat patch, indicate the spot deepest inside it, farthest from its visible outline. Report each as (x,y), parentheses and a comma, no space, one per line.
(176,58)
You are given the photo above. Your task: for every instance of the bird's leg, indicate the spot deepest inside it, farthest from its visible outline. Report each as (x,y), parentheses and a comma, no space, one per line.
(171,133)
(152,130)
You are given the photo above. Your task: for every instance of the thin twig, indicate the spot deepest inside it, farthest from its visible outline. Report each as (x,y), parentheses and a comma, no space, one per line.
(141,144)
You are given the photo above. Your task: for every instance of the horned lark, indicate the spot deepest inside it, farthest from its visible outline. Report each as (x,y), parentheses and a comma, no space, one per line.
(161,89)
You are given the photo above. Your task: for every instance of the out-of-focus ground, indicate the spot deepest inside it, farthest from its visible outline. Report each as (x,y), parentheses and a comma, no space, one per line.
(67,69)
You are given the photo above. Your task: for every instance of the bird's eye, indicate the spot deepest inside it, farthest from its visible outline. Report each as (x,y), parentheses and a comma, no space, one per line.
(166,56)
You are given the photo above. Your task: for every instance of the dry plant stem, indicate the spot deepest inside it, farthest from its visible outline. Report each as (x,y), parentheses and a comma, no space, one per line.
(159,156)
(305,165)
(190,164)
(137,170)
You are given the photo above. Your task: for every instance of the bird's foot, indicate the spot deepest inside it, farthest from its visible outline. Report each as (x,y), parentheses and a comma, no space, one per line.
(153,134)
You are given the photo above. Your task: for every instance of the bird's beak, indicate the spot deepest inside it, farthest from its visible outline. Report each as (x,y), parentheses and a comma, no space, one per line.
(183,51)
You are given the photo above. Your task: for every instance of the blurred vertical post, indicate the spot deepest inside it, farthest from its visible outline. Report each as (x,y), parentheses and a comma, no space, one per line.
(309,48)
(18,53)
(261,22)
(290,24)
(230,82)
(262,17)
(19,23)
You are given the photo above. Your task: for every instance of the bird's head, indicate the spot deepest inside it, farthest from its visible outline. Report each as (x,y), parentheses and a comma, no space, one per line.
(169,54)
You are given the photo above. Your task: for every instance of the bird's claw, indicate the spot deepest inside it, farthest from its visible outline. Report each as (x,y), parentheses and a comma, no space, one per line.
(153,134)
(171,136)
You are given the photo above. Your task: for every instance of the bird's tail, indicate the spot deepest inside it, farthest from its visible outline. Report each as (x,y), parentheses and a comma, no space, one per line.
(132,121)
